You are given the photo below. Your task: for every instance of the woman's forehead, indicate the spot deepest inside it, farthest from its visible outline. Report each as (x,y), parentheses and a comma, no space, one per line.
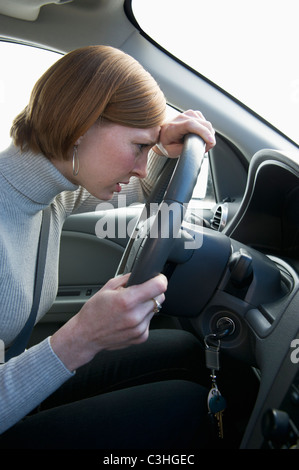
(151,134)
(144,135)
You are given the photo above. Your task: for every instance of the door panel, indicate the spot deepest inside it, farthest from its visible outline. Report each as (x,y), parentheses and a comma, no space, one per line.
(87,260)
(86,263)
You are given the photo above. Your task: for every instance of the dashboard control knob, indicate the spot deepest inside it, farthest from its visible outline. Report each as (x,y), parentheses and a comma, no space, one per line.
(240,265)
(276,425)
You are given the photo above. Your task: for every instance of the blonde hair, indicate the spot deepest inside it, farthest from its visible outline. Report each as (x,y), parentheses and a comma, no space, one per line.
(82,87)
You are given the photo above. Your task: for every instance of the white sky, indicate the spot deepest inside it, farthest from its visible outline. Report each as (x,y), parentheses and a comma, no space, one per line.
(21,67)
(249,48)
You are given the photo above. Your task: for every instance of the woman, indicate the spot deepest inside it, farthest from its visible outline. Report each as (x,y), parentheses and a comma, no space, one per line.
(90,123)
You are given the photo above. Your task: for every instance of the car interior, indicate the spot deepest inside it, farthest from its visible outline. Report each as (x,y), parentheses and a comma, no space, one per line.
(239,285)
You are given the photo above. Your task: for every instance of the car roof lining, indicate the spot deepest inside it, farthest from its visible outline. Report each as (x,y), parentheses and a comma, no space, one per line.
(80,22)
(30,10)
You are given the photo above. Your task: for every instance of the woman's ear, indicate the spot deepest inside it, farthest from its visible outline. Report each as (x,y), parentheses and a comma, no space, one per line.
(78,141)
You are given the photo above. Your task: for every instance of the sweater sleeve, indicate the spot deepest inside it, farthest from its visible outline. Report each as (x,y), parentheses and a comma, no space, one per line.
(42,368)
(28,379)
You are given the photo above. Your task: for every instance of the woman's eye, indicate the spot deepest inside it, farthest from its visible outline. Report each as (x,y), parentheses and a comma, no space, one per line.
(142,146)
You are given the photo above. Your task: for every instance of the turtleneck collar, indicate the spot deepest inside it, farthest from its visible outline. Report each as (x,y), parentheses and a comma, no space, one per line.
(33,175)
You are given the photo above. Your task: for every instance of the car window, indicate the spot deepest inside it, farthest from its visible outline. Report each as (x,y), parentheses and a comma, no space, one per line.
(21,66)
(203,194)
(249,49)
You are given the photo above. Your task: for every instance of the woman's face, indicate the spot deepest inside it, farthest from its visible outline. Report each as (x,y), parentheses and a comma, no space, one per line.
(110,154)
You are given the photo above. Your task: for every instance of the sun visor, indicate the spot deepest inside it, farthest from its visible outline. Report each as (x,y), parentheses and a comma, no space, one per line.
(26,9)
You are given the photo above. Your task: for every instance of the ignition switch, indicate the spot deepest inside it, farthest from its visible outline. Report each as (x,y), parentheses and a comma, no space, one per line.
(225,326)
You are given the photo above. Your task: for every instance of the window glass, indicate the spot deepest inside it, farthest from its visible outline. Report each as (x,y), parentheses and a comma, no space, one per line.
(21,66)
(249,49)
(203,193)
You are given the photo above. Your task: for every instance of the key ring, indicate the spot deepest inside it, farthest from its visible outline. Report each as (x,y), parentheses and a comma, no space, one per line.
(213,335)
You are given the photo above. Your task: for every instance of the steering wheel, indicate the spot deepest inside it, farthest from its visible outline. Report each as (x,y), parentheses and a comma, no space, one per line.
(160,221)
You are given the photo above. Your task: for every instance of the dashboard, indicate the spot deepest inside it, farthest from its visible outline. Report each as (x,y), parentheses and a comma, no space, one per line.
(267,220)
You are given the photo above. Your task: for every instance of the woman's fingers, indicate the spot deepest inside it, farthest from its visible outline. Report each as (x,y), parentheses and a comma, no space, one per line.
(114,318)
(173,132)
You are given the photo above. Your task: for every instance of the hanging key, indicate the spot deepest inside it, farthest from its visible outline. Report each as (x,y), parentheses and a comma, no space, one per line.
(216,402)
(216,406)
(220,423)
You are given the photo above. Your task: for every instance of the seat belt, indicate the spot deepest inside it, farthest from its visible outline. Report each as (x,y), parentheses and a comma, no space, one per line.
(20,342)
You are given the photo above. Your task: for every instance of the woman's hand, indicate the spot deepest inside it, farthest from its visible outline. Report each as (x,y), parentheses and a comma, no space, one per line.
(173,132)
(114,318)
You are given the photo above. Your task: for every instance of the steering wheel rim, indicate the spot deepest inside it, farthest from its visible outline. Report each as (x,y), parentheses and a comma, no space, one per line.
(147,250)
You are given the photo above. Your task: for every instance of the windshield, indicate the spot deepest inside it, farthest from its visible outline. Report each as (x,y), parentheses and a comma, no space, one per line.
(249,49)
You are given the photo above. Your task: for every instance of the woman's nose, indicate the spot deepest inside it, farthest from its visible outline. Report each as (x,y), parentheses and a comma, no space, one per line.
(140,169)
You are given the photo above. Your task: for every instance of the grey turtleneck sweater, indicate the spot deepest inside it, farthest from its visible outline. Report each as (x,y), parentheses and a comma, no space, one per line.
(29,183)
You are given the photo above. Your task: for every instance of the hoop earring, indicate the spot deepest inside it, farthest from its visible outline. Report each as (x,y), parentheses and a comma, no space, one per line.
(76,165)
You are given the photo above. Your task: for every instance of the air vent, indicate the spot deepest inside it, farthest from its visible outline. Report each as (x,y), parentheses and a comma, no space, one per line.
(219,219)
